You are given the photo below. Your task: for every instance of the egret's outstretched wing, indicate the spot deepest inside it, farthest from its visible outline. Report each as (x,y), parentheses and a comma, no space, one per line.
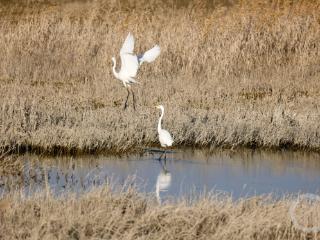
(128,45)
(150,55)
(129,65)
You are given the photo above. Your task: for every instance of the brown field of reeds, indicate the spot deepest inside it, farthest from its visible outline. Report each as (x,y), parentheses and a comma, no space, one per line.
(126,214)
(231,73)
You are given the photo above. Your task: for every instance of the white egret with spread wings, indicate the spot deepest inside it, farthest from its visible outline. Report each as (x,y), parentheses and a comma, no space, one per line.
(130,64)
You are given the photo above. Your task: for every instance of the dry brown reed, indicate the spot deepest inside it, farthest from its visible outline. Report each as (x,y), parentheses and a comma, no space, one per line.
(230,73)
(104,214)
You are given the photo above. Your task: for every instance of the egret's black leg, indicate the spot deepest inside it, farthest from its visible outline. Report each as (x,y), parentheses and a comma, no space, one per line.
(125,104)
(160,156)
(165,158)
(134,100)
(163,163)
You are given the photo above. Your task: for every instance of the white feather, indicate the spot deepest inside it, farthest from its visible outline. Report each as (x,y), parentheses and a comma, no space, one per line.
(150,55)
(165,138)
(128,45)
(129,65)
(130,62)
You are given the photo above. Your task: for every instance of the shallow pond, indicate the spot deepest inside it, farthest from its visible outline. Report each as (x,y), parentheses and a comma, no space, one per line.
(240,173)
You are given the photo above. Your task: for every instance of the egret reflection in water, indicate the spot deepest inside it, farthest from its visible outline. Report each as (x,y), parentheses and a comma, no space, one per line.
(163,181)
(261,172)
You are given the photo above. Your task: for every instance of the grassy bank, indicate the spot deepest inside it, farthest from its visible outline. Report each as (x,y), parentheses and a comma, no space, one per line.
(230,73)
(126,214)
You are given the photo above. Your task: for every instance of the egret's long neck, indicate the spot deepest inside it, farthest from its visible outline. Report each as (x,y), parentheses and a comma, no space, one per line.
(160,119)
(114,69)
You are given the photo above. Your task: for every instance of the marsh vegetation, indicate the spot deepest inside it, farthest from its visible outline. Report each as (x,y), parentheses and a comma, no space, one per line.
(231,73)
(127,214)
(236,73)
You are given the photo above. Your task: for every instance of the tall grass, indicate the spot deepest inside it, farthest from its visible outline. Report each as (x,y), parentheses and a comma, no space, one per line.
(126,214)
(230,73)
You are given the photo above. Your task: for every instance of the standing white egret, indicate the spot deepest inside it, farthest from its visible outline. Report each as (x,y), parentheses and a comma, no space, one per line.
(130,64)
(165,138)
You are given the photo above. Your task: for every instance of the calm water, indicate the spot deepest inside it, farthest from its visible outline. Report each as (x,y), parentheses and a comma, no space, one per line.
(241,173)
